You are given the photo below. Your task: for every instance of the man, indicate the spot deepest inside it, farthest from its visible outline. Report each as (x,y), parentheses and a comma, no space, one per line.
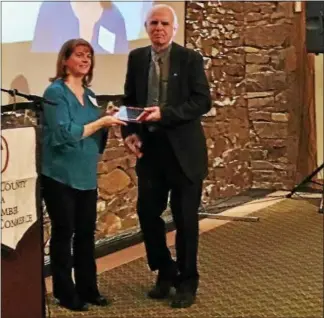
(171,150)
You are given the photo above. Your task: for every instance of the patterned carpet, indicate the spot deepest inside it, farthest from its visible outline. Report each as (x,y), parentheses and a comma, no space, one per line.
(270,268)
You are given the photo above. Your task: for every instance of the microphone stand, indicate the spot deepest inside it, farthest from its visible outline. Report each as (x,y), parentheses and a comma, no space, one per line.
(32,98)
(36,105)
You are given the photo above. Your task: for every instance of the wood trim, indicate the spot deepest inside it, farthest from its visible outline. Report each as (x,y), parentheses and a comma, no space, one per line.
(310,118)
(307,152)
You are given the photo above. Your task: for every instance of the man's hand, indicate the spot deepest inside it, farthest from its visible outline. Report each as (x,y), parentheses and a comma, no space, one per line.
(133,143)
(150,114)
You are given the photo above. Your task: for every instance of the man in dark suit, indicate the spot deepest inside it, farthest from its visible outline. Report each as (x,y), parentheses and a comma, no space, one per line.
(169,81)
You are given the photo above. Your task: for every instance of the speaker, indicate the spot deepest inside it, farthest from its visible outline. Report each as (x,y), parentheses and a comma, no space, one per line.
(315,26)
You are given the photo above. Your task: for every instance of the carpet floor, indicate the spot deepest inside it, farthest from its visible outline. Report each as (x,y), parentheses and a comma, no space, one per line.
(270,268)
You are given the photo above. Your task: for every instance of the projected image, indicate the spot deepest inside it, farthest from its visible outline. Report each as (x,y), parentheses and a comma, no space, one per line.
(32,33)
(109,26)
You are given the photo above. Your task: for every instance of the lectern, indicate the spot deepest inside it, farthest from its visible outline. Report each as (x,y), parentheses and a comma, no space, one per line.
(22,282)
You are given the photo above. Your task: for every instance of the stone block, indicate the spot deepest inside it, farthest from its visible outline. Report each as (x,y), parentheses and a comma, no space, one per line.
(113,182)
(271,130)
(254,58)
(268,36)
(280,117)
(265,81)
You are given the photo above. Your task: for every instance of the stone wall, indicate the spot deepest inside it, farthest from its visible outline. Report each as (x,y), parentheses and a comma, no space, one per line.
(273,92)
(117,188)
(251,60)
(251,51)
(216,32)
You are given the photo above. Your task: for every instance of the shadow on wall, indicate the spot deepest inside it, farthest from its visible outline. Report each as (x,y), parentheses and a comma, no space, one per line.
(19,83)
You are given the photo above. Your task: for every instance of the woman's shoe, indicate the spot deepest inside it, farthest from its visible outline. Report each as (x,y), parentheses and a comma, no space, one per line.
(75,304)
(97,301)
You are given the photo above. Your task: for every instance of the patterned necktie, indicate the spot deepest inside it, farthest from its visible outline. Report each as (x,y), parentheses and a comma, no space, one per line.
(155,82)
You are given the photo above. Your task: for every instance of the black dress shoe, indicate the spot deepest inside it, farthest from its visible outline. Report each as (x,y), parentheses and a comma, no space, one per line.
(165,281)
(75,304)
(161,289)
(98,301)
(183,299)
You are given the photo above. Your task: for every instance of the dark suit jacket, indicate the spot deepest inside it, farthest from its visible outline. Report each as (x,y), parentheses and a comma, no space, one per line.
(188,98)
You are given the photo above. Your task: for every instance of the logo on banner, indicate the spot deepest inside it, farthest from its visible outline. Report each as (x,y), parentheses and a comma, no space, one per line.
(18,184)
(4,154)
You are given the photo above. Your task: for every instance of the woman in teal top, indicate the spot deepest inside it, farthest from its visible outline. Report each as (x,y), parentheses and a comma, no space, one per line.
(74,135)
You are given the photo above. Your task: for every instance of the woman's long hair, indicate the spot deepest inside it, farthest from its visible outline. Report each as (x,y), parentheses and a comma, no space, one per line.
(66,51)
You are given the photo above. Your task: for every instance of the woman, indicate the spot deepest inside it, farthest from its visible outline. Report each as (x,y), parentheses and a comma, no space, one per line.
(74,135)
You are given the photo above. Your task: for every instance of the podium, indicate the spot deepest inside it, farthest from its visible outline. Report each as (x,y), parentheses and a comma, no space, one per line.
(22,279)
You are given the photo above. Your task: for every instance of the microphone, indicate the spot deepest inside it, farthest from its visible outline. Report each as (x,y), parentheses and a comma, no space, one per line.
(33,98)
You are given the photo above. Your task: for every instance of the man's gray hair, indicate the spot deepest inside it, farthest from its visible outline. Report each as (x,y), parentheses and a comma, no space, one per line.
(163,6)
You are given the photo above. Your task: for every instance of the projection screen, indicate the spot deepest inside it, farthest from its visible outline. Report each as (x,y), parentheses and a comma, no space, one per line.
(33,32)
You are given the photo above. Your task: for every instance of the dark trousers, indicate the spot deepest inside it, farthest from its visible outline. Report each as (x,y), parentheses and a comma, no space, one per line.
(73,214)
(159,174)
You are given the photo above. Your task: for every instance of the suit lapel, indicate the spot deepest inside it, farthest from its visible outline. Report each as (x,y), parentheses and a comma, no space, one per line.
(173,71)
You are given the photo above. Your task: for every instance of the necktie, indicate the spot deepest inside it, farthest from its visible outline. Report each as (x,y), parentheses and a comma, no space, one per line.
(154,91)
(155,80)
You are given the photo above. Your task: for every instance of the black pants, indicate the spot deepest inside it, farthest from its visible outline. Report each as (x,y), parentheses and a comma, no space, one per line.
(73,214)
(159,174)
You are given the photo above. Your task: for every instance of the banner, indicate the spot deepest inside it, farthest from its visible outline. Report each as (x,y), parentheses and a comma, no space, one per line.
(18,184)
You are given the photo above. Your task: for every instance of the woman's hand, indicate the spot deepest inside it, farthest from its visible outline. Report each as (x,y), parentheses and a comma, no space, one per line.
(107,121)
(102,122)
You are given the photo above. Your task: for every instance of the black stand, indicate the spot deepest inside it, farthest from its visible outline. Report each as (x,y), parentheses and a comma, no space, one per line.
(38,100)
(307,180)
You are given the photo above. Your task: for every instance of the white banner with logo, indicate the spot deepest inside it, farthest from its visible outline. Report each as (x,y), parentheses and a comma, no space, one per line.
(18,184)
